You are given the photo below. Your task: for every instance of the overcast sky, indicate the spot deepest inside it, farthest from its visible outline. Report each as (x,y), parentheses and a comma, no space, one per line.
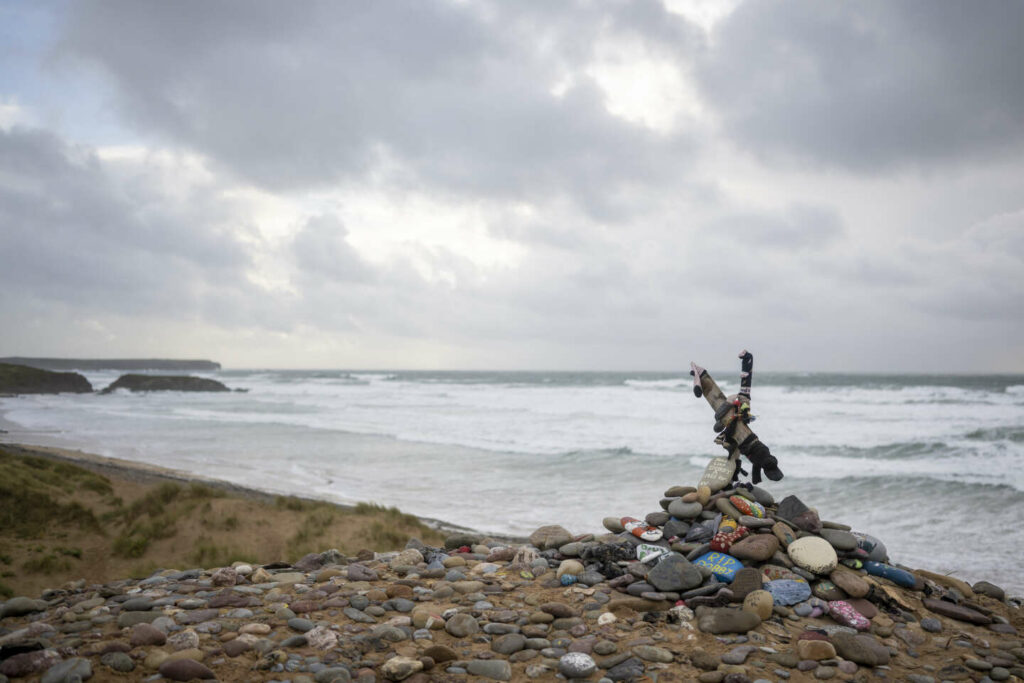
(470,184)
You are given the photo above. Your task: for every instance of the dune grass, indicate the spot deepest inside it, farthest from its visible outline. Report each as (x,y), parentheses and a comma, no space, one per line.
(60,522)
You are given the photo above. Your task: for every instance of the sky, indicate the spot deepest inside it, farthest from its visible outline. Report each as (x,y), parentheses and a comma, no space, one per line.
(474,184)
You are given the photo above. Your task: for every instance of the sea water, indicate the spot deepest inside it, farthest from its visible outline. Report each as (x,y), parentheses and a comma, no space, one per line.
(932,465)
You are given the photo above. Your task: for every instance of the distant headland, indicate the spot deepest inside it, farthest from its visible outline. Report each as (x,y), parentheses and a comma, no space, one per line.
(115,364)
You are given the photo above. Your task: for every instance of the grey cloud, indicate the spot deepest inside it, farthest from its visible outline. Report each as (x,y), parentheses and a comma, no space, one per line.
(799,226)
(865,85)
(453,93)
(74,233)
(321,250)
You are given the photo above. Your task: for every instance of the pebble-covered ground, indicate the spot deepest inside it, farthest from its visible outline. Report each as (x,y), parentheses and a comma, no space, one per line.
(740,588)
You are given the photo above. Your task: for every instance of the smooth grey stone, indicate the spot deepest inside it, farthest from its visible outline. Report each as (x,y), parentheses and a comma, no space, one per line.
(762,496)
(495,669)
(674,573)
(840,540)
(74,669)
(295,641)
(682,510)
(301,625)
(359,616)
(509,643)
(140,605)
(676,527)
(118,661)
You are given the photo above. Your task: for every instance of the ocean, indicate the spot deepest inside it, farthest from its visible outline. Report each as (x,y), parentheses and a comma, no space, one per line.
(932,465)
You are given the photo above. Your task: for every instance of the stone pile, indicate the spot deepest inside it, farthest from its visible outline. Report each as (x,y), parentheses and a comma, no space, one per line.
(739,589)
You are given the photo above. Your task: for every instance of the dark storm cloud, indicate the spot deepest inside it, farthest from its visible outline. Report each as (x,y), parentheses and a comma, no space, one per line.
(438,93)
(73,232)
(866,85)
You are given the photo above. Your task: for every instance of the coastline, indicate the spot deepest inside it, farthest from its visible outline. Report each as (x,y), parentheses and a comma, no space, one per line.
(145,473)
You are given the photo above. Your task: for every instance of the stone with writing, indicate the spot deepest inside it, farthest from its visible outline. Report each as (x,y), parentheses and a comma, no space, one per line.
(718,473)
(721,565)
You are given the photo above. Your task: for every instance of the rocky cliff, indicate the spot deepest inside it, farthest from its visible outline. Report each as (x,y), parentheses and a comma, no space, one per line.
(20,379)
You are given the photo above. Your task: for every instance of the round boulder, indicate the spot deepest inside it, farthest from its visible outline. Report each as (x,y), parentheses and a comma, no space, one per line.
(813,554)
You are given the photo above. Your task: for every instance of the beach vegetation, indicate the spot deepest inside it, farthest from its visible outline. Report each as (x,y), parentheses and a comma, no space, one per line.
(293,503)
(6,591)
(50,563)
(135,540)
(381,534)
(207,552)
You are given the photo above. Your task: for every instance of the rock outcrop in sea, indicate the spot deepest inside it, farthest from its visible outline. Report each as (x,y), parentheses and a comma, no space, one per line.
(133,382)
(741,588)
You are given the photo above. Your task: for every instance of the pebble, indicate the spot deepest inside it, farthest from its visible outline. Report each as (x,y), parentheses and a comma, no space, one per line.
(68,671)
(576,665)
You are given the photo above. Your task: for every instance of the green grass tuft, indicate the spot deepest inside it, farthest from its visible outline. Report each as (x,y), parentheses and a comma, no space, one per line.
(207,553)
(46,564)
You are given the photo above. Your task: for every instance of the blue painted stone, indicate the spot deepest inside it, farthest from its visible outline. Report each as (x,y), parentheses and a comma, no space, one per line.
(721,565)
(788,591)
(894,574)
(568,579)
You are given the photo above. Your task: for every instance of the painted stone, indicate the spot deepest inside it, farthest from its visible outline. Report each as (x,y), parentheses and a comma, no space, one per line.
(826,590)
(747,507)
(872,546)
(759,602)
(898,576)
(758,547)
(787,591)
(718,473)
(721,565)
(774,573)
(813,554)
(844,613)
(784,533)
(723,541)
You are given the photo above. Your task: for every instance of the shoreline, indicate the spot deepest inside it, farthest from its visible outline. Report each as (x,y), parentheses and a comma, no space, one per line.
(145,473)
